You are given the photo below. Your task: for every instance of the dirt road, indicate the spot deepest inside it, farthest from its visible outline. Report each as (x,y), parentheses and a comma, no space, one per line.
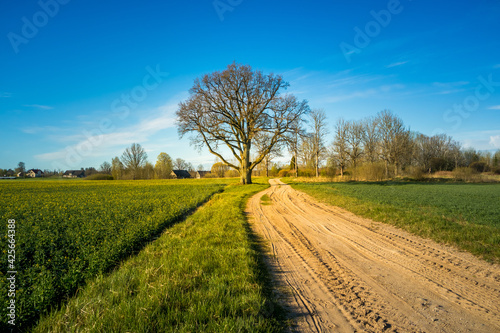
(336,272)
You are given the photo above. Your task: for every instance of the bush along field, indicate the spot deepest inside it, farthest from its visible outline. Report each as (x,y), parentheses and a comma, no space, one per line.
(463,215)
(201,275)
(67,232)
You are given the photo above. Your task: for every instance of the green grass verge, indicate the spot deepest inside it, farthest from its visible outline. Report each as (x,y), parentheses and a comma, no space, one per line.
(201,275)
(265,200)
(464,215)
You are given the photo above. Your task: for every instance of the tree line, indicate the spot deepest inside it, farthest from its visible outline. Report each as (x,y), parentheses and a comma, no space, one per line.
(246,119)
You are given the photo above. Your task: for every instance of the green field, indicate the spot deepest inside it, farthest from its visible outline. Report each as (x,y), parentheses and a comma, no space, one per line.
(202,275)
(463,215)
(68,232)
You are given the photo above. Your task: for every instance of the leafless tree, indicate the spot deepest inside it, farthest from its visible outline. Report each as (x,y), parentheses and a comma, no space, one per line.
(133,158)
(394,140)
(293,140)
(339,146)
(318,135)
(105,168)
(180,164)
(354,139)
(262,141)
(370,139)
(231,107)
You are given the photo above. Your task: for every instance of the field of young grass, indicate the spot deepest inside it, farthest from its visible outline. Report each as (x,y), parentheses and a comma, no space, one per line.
(463,215)
(67,232)
(201,275)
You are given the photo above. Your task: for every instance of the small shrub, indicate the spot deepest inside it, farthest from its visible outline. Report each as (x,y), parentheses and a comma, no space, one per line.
(231,173)
(465,174)
(479,166)
(307,173)
(497,171)
(283,173)
(371,171)
(99,176)
(415,173)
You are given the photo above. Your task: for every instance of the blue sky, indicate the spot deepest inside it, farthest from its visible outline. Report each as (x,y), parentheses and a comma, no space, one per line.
(82,80)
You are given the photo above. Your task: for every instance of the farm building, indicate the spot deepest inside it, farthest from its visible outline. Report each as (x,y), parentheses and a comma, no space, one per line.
(74,174)
(180,174)
(34,173)
(201,174)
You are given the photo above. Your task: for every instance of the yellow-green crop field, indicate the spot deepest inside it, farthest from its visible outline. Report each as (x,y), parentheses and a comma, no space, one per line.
(67,232)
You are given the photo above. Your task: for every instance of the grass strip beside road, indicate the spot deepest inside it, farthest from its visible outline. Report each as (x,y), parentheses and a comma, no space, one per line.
(201,275)
(463,215)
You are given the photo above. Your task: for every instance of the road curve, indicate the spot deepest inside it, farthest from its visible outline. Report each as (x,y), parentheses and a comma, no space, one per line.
(336,272)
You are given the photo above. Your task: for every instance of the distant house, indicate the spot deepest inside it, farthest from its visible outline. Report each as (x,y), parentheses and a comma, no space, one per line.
(34,173)
(201,174)
(10,173)
(180,174)
(74,174)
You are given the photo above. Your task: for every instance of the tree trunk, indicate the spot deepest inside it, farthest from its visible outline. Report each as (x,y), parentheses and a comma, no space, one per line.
(245,171)
(317,165)
(267,167)
(296,164)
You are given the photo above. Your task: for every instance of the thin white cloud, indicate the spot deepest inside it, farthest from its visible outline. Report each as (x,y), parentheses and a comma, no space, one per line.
(495,141)
(38,106)
(41,129)
(448,92)
(4,94)
(496,66)
(395,64)
(362,93)
(92,143)
(494,107)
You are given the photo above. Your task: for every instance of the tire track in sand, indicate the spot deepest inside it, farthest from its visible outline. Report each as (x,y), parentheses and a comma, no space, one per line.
(337,272)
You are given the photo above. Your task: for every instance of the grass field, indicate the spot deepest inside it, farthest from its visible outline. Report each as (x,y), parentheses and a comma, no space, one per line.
(201,275)
(463,215)
(67,232)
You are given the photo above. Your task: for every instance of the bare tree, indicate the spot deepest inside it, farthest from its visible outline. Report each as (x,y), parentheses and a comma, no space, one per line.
(370,139)
(394,140)
(105,168)
(339,146)
(261,142)
(318,135)
(306,151)
(231,107)
(293,139)
(354,139)
(180,164)
(133,158)
(163,166)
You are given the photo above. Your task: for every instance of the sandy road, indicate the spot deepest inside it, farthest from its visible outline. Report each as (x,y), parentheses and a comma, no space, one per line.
(337,272)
